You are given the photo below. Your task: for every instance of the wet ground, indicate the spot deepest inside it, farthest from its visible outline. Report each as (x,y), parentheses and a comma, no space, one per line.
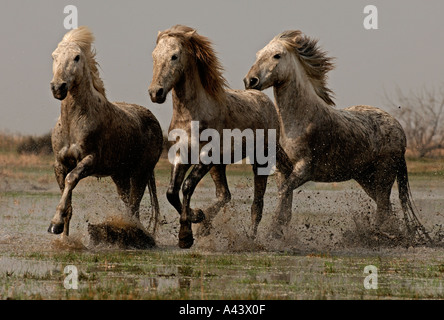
(323,254)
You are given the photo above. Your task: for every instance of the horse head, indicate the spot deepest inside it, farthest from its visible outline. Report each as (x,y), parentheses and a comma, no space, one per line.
(271,67)
(73,62)
(292,56)
(169,58)
(68,65)
(182,53)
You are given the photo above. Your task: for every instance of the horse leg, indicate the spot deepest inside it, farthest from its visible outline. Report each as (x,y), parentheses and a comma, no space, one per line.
(219,176)
(378,185)
(282,217)
(187,217)
(178,173)
(154,201)
(60,173)
(384,180)
(285,168)
(123,188)
(285,202)
(139,181)
(367,182)
(260,185)
(60,222)
(283,162)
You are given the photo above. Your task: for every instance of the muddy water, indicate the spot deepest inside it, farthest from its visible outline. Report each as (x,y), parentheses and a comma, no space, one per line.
(319,256)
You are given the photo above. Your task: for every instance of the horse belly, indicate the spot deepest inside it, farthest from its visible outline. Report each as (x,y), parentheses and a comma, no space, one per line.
(328,172)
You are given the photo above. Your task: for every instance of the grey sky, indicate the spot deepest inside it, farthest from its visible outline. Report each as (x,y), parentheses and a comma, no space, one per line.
(407,51)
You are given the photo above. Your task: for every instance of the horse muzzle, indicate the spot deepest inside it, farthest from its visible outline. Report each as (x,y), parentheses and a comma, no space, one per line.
(59,91)
(157,94)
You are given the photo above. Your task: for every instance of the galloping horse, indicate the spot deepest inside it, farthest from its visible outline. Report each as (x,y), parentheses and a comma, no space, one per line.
(94,137)
(185,63)
(326,144)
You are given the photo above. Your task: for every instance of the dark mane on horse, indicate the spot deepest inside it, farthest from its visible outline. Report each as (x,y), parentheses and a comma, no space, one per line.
(315,61)
(208,65)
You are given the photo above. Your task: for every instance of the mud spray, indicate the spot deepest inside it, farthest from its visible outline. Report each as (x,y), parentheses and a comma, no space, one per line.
(322,221)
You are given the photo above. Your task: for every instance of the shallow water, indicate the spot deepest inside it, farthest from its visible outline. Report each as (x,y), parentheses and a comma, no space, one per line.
(313,260)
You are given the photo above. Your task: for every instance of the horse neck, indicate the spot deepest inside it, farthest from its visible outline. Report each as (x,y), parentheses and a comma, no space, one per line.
(81,101)
(190,99)
(298,103)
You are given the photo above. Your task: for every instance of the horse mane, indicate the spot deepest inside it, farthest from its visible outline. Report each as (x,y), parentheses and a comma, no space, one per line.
(208,65)
(314,60)
(84,38)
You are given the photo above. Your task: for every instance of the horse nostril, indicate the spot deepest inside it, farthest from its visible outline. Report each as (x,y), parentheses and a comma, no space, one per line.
(159,93)
(253,82)
(62,86)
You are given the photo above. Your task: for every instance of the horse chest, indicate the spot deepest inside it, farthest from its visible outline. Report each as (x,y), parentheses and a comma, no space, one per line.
(69,155)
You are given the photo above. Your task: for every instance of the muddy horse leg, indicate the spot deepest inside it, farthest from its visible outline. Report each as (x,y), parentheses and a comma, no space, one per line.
(260,186)
(155,212)
(60,222)
(219,176)
(178,173)
(138,181)
(189,216)
(367,182)
(123,188)
(378,183)
(384,181)
(285,196)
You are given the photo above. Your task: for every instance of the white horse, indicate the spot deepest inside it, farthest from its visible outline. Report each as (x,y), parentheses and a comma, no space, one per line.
(185,63)
(94,137)
(326,144)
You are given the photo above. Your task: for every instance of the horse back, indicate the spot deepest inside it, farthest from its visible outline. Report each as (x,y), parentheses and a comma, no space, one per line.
(353,140)
(250,109)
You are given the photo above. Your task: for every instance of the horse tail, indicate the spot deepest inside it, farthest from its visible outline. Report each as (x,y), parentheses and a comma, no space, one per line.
(404,188)
(154,201)
(405,196)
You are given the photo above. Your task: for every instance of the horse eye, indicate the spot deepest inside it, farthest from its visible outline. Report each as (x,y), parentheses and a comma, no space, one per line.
(174,57)
(77,58)
(277,56)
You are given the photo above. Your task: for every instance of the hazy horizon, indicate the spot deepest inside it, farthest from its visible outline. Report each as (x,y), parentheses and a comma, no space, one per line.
(406,51)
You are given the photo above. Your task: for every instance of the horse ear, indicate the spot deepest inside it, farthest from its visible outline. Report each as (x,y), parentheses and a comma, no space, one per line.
(191,33)
(296,36)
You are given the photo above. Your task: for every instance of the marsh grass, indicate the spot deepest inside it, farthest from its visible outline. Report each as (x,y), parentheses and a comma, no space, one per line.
(425,166)
(171,274)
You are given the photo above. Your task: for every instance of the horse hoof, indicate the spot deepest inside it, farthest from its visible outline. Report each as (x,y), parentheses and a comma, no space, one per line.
(186,239)
(197,216)
(56,228)
(186,243)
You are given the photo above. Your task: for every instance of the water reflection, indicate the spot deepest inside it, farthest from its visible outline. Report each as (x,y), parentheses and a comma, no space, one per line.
(169,277)
(18,267)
